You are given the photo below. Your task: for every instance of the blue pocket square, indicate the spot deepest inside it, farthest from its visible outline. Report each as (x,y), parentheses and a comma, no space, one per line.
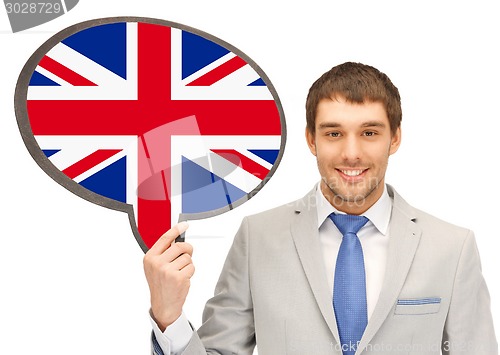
(418,306)
(419,301)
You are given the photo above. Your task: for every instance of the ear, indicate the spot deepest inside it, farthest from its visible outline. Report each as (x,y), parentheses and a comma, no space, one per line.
(395,141)
(311,141)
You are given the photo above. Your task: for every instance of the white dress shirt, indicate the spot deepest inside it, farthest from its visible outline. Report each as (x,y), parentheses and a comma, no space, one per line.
(374,238)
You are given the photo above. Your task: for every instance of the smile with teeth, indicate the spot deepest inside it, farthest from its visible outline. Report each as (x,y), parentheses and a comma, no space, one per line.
(352,172)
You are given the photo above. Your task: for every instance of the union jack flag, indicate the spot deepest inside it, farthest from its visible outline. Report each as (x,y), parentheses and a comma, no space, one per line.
(155,117)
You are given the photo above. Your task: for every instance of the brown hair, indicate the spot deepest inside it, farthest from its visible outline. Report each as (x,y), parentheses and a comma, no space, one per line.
(357,83)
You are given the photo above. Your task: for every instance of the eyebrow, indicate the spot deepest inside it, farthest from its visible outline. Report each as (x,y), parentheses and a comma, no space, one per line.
(373,124)
(364,125)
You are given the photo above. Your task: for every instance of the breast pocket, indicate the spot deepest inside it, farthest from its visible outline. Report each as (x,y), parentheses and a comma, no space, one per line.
(418,306)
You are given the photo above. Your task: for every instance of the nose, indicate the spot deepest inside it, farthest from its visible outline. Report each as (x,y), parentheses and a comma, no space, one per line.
(351,149)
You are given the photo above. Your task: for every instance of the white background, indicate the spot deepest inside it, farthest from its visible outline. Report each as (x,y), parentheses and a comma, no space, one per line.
(71,276)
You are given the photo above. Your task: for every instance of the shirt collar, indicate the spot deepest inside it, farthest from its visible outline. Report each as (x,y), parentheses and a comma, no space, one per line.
(379,214)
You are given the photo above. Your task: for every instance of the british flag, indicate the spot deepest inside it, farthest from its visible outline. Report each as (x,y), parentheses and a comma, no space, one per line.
(157,117)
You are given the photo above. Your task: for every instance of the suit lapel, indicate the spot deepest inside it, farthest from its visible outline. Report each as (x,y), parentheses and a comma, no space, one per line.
(304,230)
(403,243)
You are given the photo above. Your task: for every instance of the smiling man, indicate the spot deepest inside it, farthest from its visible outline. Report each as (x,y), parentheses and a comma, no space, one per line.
(349,269)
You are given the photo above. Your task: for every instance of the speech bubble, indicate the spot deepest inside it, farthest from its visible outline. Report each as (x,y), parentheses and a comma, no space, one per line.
(150,117)
(25,14)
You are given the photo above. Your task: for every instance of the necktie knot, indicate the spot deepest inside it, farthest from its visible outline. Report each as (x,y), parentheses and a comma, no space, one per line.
(348,223)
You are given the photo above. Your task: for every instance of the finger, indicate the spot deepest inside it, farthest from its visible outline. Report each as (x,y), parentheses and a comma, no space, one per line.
(188,270)
(185,247)
(176,250)
(164,242)
(181,262)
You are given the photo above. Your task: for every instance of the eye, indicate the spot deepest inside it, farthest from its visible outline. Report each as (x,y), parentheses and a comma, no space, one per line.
(369,133)
(334,134)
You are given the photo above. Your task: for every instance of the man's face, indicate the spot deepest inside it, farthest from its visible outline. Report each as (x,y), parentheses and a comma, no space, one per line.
(352,144)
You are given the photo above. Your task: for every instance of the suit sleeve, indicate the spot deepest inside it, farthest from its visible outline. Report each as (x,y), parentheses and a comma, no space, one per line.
(228,322)
(469,324)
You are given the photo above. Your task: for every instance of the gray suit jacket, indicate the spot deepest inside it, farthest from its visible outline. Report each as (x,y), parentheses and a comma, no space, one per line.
(273,290)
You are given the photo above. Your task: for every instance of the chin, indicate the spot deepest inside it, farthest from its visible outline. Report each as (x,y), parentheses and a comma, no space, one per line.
(353,196)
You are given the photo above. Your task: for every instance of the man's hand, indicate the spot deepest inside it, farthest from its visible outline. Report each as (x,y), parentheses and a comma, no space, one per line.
(169,268)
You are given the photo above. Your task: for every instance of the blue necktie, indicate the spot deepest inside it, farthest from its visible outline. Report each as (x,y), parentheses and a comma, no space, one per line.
(349,291)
